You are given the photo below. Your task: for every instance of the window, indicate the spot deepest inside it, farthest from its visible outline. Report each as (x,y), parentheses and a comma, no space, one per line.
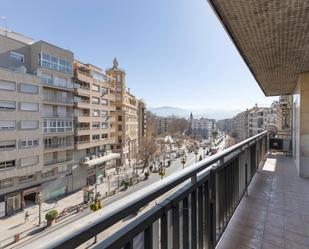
(29,124)
(57,126)
(104,113)
(104,125)
(95,100)
(7,105)
(28,178)
(119,118)
(118,78)
(28,88)
(104,90)
(119,89)
(104,136)
(7,85)
(7,164)
(28,161)
(96,125)
(55,63)
(95,88)
(7,125)
(95,137)
(62,82)
(26,106)
(17,56)
(119,127)
(96,113)
(6,183)
(47,78)
(104,101)
(48,174)
(29,143)
(7,145)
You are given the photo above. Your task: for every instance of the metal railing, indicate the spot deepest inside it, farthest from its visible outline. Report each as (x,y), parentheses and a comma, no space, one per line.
(58,99)
(201,200)
(58,160)
(57,145)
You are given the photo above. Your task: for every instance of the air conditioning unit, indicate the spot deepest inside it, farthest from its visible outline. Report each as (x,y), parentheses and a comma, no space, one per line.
(86,159)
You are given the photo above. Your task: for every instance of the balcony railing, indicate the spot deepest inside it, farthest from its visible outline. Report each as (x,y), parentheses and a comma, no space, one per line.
(201,200)
(58,130)
(58,99)
(57,145)
(58,160)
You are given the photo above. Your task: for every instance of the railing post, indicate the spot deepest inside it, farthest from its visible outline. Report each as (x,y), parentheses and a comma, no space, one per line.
(246,178)
(212,210)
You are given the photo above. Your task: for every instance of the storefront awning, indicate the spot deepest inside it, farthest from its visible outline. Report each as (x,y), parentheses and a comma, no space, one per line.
(102,159)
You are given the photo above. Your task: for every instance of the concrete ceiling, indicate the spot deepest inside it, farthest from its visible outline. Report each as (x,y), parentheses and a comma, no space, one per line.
(272,36)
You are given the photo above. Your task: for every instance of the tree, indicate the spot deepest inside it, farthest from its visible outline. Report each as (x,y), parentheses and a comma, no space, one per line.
(214,134)
(177,125)
(146,151)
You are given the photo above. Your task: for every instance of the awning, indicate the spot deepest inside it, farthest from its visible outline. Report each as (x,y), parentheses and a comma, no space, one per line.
(102,159)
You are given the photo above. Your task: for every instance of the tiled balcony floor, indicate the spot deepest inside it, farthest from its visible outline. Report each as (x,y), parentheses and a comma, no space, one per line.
(276,212)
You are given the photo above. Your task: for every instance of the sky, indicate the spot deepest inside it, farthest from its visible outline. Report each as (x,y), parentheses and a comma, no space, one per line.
(174,52)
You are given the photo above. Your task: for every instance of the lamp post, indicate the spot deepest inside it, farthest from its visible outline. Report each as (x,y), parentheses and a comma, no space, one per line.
(204,149)
(183,161)
(40,207)
(196,153)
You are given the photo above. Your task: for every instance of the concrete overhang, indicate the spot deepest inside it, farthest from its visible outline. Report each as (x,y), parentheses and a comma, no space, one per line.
(272,36)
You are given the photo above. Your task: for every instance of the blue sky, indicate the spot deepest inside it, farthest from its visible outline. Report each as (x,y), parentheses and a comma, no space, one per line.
(175,52)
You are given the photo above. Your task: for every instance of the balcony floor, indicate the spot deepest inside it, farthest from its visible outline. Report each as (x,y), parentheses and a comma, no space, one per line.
(276,212)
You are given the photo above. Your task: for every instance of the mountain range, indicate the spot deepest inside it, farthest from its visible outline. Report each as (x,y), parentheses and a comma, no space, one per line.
(197,113)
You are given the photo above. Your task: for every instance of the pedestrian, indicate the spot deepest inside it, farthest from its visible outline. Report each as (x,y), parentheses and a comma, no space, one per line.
(26,216)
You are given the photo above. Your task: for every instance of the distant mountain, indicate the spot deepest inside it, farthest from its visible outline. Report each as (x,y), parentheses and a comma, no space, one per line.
(197,113)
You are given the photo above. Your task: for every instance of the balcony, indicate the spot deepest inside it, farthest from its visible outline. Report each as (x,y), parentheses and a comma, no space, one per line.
(54,99)
(58,115)
(58,146)
(81,90)
(191,207)
(58,161)
(58,85)
(56,130)
(80,145)
(80,131)
(82,103)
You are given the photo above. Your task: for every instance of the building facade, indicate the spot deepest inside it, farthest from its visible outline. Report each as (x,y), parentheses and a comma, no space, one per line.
(142,121)
(258,120)
(203,127)
(240,126)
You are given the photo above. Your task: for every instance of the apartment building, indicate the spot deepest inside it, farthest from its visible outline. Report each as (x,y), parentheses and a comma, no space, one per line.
(127,118)
(94,119)
(203,127)
(240,126)
(142,119)
(258,120)
(161,125)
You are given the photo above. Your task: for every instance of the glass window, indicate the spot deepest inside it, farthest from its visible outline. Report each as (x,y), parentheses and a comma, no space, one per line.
(7,85)
(7,105)
(29,124)
(104,101)
(7,125)
(17,56)
(28,88)
(7,164)
(7,145)
(47,78)
(104,136)
(104,113)
(28,178)
(96,113)
(25,106)
(104,90)
(95,100)
(96,137)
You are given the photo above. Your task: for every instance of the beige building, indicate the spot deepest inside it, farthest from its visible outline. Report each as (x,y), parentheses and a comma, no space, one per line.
(240,126)
(142,121)
(258,120)
(94,117)
(127,118)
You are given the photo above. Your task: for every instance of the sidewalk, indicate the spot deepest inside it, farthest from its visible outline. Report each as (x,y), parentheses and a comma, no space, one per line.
(15,224)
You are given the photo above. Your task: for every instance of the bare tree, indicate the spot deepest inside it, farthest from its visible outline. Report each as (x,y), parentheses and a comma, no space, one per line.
(146,151)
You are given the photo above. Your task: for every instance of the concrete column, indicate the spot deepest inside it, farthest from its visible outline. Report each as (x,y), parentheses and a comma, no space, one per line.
(301,125)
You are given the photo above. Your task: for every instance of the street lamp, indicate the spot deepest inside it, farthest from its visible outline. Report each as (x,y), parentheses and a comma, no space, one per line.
(196,153)
(40,207)
(204,149)
(183,161)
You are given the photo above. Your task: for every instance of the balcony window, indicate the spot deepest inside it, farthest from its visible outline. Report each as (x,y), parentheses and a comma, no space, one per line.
(7,105)
(95,100)
(96,125)
(96,113)
(47,78)
(7,164)
(55,63)
(29,124)
(104,90)
(31,107)
(29,88)
(96,137)
(7,145)
(7,85)
(17,57)
(104,136)
(57,126)
(104,125)
(104,113)
(104,101)
(7,125)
